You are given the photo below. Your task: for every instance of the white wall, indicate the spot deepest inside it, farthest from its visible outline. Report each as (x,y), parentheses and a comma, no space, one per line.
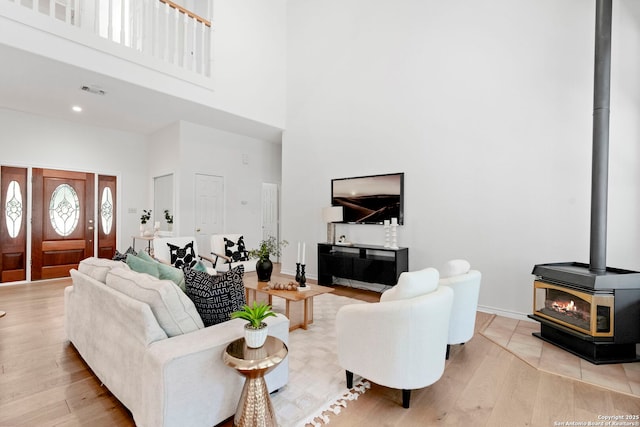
(486,106)
(209,151)
(34,141)
(249,58)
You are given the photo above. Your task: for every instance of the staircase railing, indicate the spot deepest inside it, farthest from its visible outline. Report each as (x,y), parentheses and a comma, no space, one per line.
(160,28)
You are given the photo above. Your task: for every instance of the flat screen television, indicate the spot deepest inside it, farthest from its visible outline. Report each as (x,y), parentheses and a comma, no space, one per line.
(369,199)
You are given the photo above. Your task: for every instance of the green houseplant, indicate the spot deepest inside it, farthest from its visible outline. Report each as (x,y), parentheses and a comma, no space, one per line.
(256,329)
(146,216)
(267,247)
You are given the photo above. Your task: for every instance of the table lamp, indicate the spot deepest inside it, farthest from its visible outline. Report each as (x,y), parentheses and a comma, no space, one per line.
(330,215)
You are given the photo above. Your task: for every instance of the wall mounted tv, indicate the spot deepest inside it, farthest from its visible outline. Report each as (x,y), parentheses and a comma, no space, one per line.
(370,199)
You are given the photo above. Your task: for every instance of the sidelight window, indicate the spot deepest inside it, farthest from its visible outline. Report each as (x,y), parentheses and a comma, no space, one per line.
(13,209)
(106,210)
(64,210)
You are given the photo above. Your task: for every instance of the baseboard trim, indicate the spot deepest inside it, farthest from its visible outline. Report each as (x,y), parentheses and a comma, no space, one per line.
(504,313)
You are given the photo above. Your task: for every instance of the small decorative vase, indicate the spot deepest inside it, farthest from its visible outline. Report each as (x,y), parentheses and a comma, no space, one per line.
(255,337)
(264,270)
(142,227)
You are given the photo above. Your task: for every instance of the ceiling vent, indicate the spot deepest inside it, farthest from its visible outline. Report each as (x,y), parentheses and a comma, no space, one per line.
(94,90)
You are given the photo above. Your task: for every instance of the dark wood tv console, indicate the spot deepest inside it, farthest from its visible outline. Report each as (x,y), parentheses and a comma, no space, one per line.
(366,263)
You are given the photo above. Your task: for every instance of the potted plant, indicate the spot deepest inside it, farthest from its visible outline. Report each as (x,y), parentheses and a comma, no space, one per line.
(169,218)
(255,332)
(268,247)
(146,216)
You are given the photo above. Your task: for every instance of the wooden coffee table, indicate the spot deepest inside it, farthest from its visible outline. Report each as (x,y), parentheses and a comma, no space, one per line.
(252,288)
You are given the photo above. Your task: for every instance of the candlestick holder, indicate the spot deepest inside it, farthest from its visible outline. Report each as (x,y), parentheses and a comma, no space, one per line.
(297,272)
(394,236)
(302,279)
(387,234)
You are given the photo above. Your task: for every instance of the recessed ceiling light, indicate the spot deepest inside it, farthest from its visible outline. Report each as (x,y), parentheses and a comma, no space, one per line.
(77,108)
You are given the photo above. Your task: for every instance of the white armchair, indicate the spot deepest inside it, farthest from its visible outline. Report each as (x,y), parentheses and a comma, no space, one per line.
(401,341)
(465,283)
(227,250)
(162,251)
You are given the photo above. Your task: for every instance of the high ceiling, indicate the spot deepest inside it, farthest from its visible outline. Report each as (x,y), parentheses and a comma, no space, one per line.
(34,84)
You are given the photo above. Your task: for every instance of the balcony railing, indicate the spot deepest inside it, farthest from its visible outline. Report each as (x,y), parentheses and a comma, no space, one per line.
(160,28)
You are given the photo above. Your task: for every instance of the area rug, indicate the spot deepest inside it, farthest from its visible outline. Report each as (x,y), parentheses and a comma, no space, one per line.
(316,390)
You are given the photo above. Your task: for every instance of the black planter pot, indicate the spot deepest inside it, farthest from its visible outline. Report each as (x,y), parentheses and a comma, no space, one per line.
(264,269)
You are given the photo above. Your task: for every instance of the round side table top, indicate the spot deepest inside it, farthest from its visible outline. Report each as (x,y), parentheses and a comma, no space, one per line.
(244,359)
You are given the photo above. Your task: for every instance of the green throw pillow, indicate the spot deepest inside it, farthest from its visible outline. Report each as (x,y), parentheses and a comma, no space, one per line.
(171,273)
(165,271)
(142,266)
(145,256)
(200,267)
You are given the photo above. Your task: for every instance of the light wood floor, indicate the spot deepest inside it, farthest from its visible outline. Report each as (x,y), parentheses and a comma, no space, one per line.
(44,382)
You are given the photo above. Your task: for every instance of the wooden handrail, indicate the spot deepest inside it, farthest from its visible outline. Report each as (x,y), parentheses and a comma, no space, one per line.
(187,12)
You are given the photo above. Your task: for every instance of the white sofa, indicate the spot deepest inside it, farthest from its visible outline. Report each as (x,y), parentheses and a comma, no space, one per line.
(163,380)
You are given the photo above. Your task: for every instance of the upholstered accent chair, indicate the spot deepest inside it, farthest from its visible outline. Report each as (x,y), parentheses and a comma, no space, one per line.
(401,341)
(164,253)
(228,251)
(465,283)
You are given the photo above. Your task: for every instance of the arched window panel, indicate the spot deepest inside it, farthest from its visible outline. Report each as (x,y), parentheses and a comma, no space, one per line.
(64,210)
(14,209)
(106,210)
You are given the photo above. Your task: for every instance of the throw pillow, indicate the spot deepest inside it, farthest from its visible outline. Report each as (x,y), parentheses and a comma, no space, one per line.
(173,310)
(165,272)
(412,284)
(119,256)
(145,256)
(200,267)
(141,266)
(98,268)
(216,297)
(182,257)
(455,267)
(236,250)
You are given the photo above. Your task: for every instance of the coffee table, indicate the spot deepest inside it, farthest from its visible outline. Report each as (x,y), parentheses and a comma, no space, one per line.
(254,407)
(306,297)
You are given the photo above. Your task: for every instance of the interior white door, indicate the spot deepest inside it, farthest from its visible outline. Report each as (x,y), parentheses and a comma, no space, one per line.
(270,210)
(209,209)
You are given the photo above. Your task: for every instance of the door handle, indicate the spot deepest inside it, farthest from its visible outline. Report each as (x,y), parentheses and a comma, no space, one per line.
(197,230)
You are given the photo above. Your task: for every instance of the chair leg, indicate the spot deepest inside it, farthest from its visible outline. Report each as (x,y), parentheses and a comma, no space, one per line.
(448,350)
(406,397)
(349,379)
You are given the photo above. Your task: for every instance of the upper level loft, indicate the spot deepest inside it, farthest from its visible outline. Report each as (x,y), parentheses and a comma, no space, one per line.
(161,29)
(155,62)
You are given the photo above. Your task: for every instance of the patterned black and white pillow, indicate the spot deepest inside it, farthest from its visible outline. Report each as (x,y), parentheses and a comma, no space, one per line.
(216,297)
(182,257)
(119,256)
(236,250)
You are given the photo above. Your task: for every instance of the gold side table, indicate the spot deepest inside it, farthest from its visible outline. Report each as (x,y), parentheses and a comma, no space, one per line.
(254,408)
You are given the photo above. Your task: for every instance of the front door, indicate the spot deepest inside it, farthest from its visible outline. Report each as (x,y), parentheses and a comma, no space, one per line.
(62,222)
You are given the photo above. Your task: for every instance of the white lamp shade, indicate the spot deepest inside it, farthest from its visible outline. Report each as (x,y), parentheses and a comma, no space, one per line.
(332,214)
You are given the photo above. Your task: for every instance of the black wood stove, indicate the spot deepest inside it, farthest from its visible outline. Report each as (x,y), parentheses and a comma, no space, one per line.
(590,309)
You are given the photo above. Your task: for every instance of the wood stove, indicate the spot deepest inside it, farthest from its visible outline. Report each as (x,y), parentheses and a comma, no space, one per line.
(595,316)
(592,310)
